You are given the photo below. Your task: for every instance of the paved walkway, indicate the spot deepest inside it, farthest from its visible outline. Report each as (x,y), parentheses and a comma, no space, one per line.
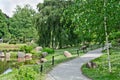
(71,70)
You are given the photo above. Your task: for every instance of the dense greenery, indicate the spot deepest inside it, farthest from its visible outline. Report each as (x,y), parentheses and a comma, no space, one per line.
(52,33)
(21,24)
(48,50)
(26,73)
(62,23)
(4,32)
(26,48)
(87,16)
(68,23)
(20,27)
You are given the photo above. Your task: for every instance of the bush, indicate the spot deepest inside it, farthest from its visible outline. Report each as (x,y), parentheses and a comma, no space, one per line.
(29,62)
(13,54)
(36,54)
(114,42)
(33,52)
(26,73)
(12,42)
(48,50)
(16,64)
(26,48)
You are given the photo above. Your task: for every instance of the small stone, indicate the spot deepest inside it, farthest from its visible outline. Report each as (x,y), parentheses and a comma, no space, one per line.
(67,54)
(21,59)
(91,65)
(44,54)
(21,54)
(7,56)
(28,56)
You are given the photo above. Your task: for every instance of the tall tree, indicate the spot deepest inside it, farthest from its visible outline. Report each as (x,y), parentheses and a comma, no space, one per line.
(21,24)
(52,33)
(4,19)
(88,17)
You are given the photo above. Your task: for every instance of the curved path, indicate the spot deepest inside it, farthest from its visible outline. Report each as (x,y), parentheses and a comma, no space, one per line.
(71,70)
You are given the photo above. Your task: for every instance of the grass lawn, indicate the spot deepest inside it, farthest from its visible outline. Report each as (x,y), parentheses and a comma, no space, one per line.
(101,72)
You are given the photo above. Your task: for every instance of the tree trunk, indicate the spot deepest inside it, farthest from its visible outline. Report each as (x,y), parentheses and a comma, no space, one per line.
(105,25)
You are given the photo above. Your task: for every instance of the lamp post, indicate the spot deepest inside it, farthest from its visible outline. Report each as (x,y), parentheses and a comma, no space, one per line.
(106,35)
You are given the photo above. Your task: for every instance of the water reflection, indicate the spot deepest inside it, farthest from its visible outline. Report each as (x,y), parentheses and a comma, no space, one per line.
(8,71)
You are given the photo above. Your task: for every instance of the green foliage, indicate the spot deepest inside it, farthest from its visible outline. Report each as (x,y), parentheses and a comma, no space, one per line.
(87,18)
(21,24)
(15,64)
(26,73)
(12,42)
(4,21)
(33,52)
(48,50)
(36,55)
(34,45)
(29,62)
(115,35)
(26,48)
(13,54)
(52,33)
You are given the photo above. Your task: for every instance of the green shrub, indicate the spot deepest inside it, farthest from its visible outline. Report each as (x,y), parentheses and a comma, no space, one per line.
(29,62)
(33,52)
(26,73)
(26,48)
(34,45)
(17,64)
(36,54)
(114,42)
(48,50)
(13,54)
(13,42)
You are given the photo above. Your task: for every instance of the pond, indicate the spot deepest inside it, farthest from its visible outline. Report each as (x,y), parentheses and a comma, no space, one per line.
(4,66)
(7,71)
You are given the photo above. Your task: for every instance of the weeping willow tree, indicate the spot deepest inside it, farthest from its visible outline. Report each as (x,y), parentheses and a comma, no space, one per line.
(52,33)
